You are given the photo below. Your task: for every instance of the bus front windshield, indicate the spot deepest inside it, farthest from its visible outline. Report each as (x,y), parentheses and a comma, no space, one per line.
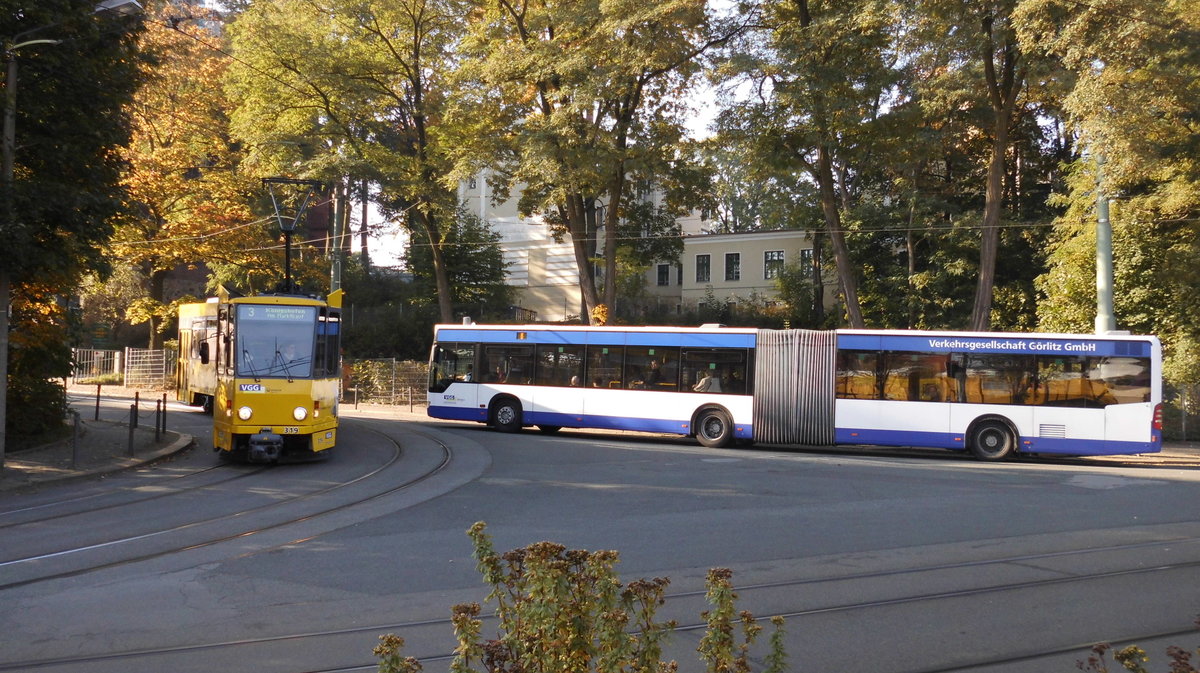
(275,341)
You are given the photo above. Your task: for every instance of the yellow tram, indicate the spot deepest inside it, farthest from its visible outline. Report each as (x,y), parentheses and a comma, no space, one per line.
(277,365)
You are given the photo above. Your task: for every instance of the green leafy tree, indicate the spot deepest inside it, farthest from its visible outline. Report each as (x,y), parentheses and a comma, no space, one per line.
(1134,99)
(474,264)
(970,59)
(823,70)
(575,102)
(340,88)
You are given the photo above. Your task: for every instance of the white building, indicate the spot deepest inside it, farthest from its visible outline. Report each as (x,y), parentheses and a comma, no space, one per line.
(734,266)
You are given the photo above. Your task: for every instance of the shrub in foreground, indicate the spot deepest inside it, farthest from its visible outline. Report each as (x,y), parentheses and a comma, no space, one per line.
(566,611)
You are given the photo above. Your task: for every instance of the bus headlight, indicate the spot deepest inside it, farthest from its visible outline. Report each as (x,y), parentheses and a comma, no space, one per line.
(299,413)
(244,413)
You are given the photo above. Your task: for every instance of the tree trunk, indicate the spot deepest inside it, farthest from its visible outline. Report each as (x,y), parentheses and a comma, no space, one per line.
(158,279)
(441,275)
(575,215)
(1002,93)
(818,279)
(611,219)
(833,223)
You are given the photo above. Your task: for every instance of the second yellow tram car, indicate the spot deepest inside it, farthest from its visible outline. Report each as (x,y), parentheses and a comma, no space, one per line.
(277,359)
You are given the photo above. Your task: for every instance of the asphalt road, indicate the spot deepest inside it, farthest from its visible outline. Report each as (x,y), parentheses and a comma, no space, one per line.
(879,562)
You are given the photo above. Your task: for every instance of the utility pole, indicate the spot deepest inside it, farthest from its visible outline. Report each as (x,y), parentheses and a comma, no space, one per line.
(1105,321)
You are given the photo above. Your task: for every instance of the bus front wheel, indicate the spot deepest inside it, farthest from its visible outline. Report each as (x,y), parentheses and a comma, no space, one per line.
(992,440)
(506,415)
(713,428)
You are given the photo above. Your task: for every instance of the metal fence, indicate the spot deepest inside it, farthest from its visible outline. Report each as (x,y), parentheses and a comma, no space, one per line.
(386,381)
(146,368)
(90,363)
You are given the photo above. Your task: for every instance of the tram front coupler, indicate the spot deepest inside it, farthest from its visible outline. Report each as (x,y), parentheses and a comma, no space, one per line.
(265,447)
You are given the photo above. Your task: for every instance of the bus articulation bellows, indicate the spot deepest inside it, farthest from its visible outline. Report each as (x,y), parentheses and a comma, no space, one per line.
(994,394)
(269,367)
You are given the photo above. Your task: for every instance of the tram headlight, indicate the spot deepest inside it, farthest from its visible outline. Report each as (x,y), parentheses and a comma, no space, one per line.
(244,413)
(299,413)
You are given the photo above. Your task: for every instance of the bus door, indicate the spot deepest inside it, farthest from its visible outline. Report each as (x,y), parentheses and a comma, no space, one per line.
(452,377)
(558,398)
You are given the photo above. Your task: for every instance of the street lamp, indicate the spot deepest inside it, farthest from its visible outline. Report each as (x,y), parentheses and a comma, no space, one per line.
(11,45)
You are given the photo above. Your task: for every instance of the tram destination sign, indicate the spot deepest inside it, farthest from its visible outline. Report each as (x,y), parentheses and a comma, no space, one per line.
(276,314)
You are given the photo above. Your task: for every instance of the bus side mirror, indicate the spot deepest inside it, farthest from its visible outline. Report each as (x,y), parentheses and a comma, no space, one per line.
(204,352)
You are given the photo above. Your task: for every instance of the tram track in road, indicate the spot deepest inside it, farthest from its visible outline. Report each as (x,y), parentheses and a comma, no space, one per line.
(748,595)
(132,489)
(394,458)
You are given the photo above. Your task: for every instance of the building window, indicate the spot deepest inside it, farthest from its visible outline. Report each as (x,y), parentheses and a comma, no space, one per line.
(472,183)
(664,274)
(733,266)
(703,265)
(806,262)
(772,264)
(679,274)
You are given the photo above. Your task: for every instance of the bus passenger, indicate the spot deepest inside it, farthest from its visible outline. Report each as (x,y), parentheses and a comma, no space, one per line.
(707,383)
(654,376)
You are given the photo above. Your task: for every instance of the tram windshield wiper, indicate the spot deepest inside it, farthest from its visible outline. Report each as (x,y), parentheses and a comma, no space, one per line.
(283,362)
(249,360)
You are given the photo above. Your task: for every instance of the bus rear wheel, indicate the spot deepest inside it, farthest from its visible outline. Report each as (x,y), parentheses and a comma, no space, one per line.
(713,428)
(506,415)
(992,440)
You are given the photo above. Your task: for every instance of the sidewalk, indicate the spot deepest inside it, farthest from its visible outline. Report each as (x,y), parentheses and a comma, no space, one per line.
(102,447)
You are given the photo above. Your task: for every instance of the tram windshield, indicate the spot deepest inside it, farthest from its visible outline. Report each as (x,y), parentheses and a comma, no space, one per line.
(275,341)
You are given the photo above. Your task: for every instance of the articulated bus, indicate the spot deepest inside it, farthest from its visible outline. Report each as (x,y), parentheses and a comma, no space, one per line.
(993,394)
(269,367)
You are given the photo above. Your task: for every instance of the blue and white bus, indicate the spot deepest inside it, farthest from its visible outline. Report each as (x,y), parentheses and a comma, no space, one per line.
(994,394)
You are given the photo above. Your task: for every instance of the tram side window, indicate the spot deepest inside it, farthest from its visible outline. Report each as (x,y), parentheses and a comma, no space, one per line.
(326,359)
(506,364)
(560,365)
(724,368)
(604,366)
(856,375)
(995,378)
(451,362)
(917,377)
(651,368)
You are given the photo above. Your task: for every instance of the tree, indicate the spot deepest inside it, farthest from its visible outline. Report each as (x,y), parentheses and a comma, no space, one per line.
(61,173)
(1134,100)
(191,201)
(575,98)
(967,49)
(355,88)
(822,72)
(474,263)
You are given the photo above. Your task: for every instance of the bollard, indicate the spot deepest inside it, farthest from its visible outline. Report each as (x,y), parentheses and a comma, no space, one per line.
(410,399)
(164,414)
(132,425)
(74,438)
(137,403)
(97,402)
(157,415)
